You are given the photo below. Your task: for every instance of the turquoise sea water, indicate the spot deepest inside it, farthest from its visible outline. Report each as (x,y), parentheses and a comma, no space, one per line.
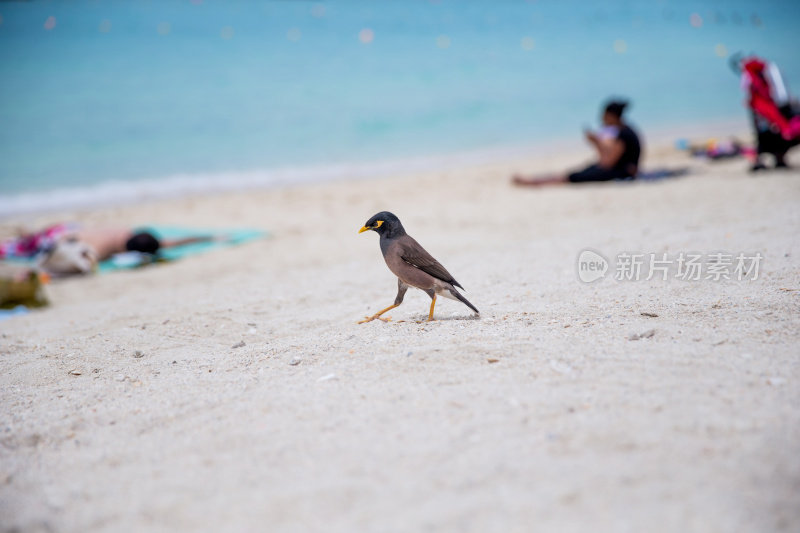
(99,92)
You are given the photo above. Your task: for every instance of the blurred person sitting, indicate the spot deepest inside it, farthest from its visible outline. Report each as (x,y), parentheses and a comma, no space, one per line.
(618,150)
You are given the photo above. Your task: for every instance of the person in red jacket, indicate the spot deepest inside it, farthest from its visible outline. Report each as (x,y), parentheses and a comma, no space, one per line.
(776,128)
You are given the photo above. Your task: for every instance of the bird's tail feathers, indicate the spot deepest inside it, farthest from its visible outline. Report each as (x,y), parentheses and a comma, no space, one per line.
(464,301)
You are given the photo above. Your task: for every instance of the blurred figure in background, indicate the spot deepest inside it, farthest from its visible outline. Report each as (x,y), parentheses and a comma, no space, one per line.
(618,150)
(776,124)
(70,249)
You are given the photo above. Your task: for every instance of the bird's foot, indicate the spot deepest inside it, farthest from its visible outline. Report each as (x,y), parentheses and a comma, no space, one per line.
(373,317)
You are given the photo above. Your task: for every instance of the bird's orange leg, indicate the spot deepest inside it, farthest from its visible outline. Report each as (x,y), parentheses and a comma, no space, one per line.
(433,303)
(378,315)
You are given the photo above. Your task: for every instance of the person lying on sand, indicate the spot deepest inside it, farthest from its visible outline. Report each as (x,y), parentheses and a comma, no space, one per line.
(92,244)
(110,241)
(618,150)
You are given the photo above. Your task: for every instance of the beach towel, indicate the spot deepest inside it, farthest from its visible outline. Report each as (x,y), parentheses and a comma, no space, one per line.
(16,311)
(662,173)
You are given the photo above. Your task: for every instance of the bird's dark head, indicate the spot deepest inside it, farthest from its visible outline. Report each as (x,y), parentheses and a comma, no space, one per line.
(384,224)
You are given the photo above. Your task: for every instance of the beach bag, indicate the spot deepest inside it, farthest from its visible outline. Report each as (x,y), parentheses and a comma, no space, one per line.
(67,257)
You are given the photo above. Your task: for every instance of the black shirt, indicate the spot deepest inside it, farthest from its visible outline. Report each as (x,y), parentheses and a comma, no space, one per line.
(629,160)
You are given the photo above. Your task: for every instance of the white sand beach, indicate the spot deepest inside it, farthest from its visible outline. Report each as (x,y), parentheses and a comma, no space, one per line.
(235,391)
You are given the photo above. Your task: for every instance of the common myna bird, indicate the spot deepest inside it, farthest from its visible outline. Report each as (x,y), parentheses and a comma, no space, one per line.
(413,266)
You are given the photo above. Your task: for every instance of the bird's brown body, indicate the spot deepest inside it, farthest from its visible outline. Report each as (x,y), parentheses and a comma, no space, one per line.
(412,264)
(406,259)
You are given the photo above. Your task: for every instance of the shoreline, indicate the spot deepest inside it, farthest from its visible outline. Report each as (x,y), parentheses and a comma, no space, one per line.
(17,206)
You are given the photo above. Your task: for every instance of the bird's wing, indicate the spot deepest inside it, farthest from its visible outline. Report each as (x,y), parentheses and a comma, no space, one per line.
(415,255)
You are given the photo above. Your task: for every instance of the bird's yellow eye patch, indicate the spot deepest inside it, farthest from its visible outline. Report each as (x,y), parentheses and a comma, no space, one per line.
(366,228)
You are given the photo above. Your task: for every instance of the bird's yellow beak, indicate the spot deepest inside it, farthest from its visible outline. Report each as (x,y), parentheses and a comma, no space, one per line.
(378,224)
